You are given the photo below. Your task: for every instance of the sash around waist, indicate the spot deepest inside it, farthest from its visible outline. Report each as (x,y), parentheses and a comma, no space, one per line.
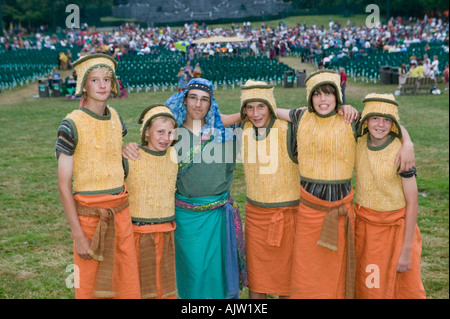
(202,203)
(328,237)
(102,247)
(275,216)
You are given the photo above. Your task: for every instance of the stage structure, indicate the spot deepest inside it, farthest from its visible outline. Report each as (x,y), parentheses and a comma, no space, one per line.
(169,11)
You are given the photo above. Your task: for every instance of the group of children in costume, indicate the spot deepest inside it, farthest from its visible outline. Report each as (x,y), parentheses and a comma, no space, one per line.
(161,223)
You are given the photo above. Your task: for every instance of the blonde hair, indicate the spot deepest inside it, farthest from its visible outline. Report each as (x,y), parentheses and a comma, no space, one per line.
(165,118)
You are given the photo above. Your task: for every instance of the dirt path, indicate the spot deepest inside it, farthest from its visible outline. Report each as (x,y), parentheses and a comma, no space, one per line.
(18,95)
(296,64)
(21,94)
(356,90)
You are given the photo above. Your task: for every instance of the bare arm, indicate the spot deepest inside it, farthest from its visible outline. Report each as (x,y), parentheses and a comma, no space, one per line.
(283,114)
(81,241)
(131,151)
(230,119)
(406,153)
(412,209)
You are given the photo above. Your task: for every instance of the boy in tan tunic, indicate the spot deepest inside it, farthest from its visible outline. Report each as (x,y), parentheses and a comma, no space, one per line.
(89,149)
(387,239)
(273,192)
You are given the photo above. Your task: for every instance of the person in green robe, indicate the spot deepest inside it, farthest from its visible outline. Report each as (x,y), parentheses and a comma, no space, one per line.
(209,246)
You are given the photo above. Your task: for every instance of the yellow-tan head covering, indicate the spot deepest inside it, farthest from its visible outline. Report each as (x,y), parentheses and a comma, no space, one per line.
(380,105)
(322,77)
(258,91)
(86,64)
(149,113)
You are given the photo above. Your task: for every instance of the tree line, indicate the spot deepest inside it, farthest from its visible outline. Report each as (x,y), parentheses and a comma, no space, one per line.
(32,14)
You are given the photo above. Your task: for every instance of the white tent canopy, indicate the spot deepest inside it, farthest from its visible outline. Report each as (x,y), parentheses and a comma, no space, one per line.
(219,39)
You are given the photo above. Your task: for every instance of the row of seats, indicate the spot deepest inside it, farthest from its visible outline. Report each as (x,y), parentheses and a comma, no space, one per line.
(19,67)
(158,68)
(138,71)
(367,65)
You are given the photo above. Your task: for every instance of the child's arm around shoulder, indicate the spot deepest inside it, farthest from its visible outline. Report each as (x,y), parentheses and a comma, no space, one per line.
(230,119)
(131,151)
(349,113)
(285,114)
(406,153)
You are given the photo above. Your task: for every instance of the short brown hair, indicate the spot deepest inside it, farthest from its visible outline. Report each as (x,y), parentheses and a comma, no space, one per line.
(326,88)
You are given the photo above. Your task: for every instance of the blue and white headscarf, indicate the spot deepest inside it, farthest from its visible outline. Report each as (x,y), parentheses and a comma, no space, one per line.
(213,122)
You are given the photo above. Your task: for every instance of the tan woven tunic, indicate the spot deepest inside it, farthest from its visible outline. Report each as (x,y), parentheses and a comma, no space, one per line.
(378,185)
(271,175)
(97,163)
(326,148)
(151,186)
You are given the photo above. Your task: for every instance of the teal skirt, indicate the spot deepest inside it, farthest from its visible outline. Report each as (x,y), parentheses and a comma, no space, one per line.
(206,254)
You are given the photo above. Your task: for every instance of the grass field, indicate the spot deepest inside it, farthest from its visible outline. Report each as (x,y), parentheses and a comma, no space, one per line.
(318,20)
(35,241)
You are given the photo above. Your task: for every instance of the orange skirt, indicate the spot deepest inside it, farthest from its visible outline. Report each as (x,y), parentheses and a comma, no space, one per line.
(318,272)
(378,241)
(156,259)
(125,274)
(269,242)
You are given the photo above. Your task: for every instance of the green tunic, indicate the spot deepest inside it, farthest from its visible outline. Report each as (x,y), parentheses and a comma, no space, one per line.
(203,179)
(201,240)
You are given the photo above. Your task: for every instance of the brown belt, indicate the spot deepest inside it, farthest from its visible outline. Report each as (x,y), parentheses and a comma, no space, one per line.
(329,236)
(102,245)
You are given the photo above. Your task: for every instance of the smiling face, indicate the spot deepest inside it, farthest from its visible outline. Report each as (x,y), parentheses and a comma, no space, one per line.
(197,105)
(98,84)
(379,128)
(324,100)
(160,134)
(258,113)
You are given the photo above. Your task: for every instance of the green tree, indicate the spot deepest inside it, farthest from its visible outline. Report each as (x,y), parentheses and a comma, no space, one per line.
(415,8)
(33,13)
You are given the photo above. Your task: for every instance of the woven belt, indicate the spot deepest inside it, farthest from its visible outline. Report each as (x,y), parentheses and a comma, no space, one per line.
(102,245)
